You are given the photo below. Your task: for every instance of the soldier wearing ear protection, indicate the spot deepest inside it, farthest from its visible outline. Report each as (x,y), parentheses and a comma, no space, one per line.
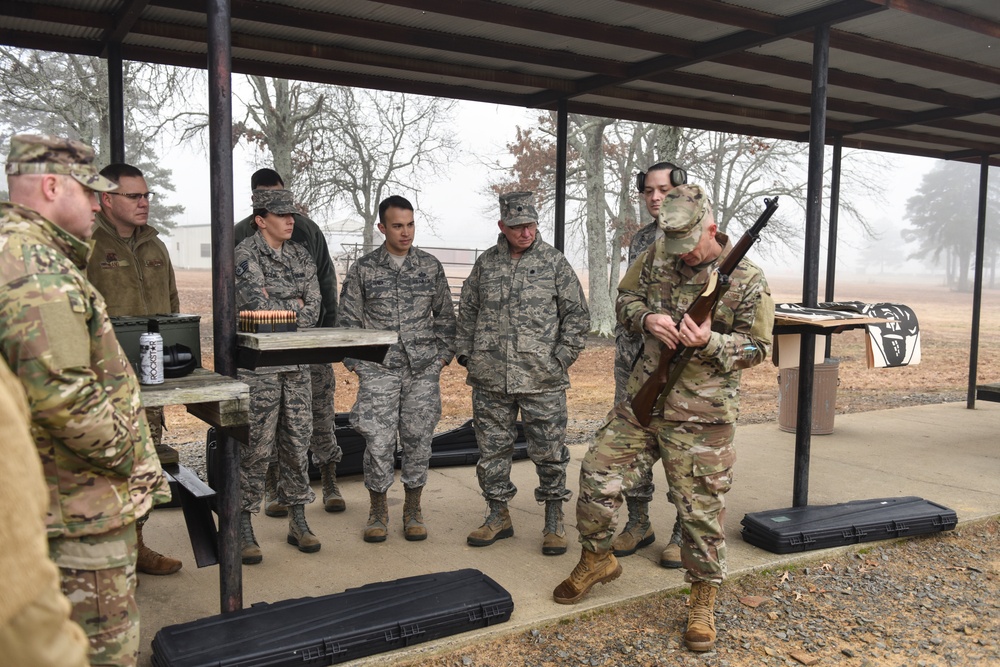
(676,175)
(653,185)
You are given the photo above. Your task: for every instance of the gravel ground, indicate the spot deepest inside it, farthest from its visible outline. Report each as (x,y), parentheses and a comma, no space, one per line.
(925,602)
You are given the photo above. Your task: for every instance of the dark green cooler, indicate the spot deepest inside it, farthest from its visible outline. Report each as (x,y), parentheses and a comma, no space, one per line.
(179,328)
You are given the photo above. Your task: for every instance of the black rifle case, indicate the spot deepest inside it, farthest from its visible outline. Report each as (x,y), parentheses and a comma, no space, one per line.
(794,529)
(336,628)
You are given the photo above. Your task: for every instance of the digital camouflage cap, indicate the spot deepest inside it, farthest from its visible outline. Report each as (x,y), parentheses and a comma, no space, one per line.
(680,218)
(44,154)
(279,202)
(517,209)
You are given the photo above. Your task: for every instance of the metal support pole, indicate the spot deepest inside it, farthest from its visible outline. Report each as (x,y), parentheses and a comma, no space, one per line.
(116,103)
(220,133)
(977,288)
(831,243)
(810,273)
(562,129)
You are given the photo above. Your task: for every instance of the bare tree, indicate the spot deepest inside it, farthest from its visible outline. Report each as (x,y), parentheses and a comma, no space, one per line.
(736,170)
(280,118)
(67,95)
(379,143)
(338,146)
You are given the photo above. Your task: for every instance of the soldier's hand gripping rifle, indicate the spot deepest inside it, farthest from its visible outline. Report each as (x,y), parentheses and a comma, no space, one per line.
(672,361)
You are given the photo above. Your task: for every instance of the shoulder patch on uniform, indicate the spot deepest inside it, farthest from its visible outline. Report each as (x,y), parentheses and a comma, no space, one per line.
(243,267)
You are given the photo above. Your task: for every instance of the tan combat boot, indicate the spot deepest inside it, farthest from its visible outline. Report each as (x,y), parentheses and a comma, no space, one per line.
(594,568)
(332,500)
(378,518)
(151,562)
(414,529)
(299,534)
(271,505)
(671,556)
(497,526)
(249,549)
(554,533)
(638,531)
(700,634)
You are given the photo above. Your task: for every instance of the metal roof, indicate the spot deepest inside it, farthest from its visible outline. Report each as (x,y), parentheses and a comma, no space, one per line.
(911,76)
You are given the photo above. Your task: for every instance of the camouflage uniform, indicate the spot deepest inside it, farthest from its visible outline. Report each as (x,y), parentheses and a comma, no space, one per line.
(323,442)
(92,437)
(693,425)
(521,324)
(402,395)
(628,346)
(280,396)
(35,625)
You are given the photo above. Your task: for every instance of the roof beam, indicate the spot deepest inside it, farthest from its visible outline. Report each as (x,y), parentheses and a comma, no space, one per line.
(576,106)
(549,23)
(260,68)
(952,17)
(737,42)
(876,48)
(124,19)
(52,14)
(270,14)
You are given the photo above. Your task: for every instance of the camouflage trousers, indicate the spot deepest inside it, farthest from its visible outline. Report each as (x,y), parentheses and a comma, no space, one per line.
(280,426)
(698,460)
(97,574)
(324,439)
(628,347)
(41,633)
(155,418)
(396,405)
(494,417)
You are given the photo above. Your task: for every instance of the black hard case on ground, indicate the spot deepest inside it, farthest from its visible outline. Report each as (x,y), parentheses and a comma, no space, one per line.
(336,628)
(452,448)
(795,529)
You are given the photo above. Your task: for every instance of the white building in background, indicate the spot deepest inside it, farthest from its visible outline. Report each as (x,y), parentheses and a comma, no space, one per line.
(190,247)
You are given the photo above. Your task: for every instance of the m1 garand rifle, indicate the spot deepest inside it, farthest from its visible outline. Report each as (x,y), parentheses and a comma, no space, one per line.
(673,361)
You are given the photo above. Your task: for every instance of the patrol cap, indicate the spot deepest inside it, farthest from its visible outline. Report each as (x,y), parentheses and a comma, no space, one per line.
(681,213)
(44,154)
(516,209)
(279,202)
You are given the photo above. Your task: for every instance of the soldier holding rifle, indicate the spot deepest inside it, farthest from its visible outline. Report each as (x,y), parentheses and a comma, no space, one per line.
(692,422)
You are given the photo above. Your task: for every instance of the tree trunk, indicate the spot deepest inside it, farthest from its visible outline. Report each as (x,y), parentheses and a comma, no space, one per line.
(602,319)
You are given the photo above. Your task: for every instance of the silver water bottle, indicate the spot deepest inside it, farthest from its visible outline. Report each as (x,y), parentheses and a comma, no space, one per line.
(151,355)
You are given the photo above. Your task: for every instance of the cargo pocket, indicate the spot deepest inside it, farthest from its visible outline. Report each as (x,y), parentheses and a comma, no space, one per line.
(713,468)
(98,577)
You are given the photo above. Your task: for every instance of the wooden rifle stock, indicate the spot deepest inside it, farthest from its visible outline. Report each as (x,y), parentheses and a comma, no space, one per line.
(664,377)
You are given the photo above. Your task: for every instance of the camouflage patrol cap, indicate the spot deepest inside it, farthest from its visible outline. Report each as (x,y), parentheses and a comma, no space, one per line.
(43,154)
(516,209)
(279,202)
(680,217)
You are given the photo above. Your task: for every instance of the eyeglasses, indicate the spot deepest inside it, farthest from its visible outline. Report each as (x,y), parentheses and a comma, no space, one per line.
(134,196)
